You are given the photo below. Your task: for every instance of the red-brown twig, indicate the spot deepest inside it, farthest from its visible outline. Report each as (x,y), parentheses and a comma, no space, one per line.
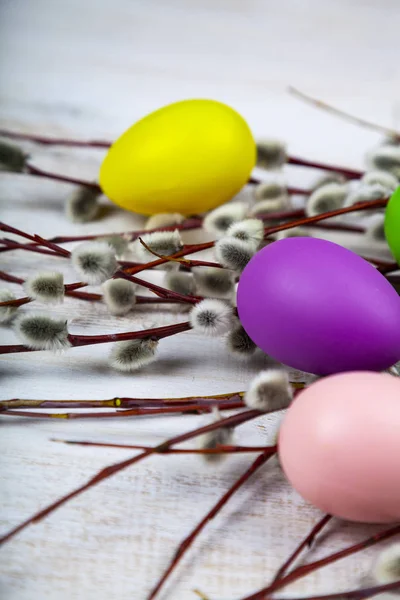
(232,421)
(304,570)
(163,295)
(123,402)
(188,541)
(342,114)
(51,141)
(193,248)
(91,297)
(13,245)
(302,162)
(306,543)
(217,450)
(31,170)
(156,333)
(131,412)
(190,223)
(354,594)
(160,291)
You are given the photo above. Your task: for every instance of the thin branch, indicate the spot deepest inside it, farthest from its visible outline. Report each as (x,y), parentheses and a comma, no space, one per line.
(354,594)
(50,141)
(31,170)
(302,162)
(343,114)
(217,450)
(193,248)
(131,412)
(156,333)
(188,541)
(306,543)
(304,570)
(120,402)
(232,421)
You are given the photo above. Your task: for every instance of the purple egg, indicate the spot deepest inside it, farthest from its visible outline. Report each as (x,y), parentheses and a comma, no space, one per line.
(316,306)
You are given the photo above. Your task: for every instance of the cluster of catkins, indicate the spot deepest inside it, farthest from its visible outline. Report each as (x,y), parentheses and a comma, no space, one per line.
(333,190)
(213,314)
(239,229)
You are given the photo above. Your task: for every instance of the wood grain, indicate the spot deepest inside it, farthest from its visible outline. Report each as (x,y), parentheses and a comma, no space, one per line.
(88,69)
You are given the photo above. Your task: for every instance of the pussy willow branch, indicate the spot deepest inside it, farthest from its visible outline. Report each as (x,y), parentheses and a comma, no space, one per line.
(164,296)
(354,594)
(31,170)
(130,412)
(189,224)
(89,297)
(302,162)
(189,540)
(306,543)
(343,114)
(217,450)
(304,570)
(122,402)
(160,291)
(156,334)
(232,421)
(35,171)
(136,406)
(48,141)
(193,248)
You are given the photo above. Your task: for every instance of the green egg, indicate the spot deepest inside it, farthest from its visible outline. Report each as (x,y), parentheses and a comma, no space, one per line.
(392,224)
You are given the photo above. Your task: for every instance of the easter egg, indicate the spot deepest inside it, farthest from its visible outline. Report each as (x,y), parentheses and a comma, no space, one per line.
(318,307)
(392,224)
(187,157)
(339,446)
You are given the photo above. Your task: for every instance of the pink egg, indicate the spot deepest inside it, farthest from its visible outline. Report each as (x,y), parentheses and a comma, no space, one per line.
(339,446)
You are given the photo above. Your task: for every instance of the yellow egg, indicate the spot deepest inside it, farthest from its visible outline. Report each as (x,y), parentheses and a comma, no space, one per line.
(187,157)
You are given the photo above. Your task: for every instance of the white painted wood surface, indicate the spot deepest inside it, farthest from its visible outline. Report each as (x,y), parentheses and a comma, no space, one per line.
(90,69)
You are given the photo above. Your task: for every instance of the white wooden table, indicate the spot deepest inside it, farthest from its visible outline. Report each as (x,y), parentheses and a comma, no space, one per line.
(89,69)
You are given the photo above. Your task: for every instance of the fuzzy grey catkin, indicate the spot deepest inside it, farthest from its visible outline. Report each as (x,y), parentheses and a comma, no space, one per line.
(383,178)
(233,253)
(7,313)
(239,343)
(12,158)
(387,566)
(367,193)
(220,219)
(43,332)
(385,158)
(118,243)
(271,154)
(47,287)
(326,178)
(95,262)
(269,391)
(82,206)
(270,190)
(214,282)
(330,196)
(211,317)
(250,231)
(263,207)
(163,220)
(180,282)
(211,440)
(163,243)
(119,296)
(133,355)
